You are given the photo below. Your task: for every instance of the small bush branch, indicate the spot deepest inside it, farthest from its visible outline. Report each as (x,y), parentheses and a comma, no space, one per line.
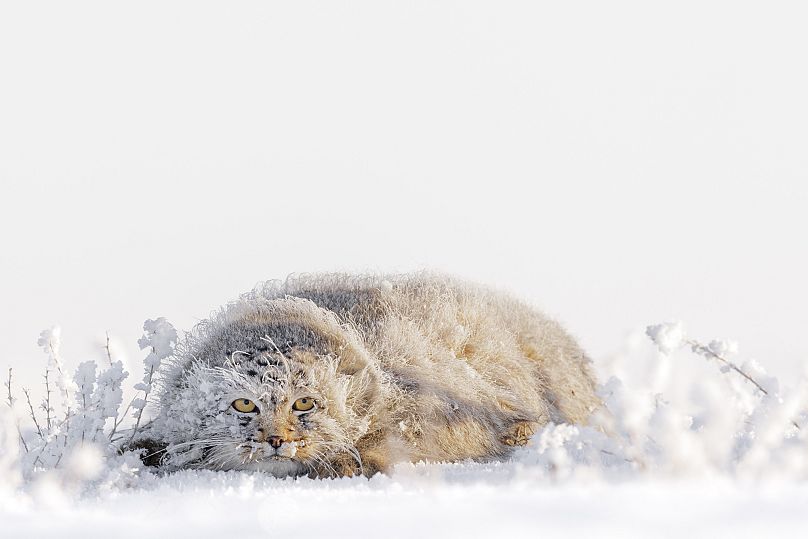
(148,382)
(33,415)
(159,336)
(708,352)
(106,347)
(8,385)
(669,336)
(119,419)
(46,404)
(11,400)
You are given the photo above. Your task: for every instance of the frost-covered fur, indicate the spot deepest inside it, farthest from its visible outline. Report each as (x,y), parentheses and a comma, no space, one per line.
(401,368)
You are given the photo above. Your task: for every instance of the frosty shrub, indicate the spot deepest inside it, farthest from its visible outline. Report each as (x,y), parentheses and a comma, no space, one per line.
(683,410)
(76,434)
(679,408)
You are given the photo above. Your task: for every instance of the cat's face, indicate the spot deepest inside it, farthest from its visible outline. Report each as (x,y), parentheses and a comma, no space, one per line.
(288,418)
(242,402)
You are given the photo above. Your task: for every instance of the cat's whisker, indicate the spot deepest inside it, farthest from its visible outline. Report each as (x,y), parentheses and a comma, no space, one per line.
(338,447)
(220,459)
(355,454)
(321,460)
(183,446)
(334,449)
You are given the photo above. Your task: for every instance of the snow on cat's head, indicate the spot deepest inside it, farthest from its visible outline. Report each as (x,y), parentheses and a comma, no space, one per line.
(272,385)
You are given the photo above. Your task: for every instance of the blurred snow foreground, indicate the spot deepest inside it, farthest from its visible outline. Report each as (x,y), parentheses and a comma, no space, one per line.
(687,438)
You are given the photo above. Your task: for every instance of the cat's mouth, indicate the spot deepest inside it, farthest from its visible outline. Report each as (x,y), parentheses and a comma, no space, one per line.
(281,461)
(264,451)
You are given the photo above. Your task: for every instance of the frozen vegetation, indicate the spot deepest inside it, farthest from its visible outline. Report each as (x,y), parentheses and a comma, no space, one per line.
(692,440)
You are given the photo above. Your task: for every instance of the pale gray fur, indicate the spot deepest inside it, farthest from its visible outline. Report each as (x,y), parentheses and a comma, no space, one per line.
(402,367)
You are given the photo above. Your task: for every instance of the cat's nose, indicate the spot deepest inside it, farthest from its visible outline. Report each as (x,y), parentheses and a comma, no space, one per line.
(275,441)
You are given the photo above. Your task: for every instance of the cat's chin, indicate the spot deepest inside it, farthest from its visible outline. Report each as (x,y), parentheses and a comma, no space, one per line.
(277,466)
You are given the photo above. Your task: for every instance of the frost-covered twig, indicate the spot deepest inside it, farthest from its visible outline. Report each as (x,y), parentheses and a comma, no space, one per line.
(50,341)
(119,419)
(46,403)
(85,379)
(140,404)
(160,336)
(105,400)
(33,415)
(11,400)
(66,438)
(106,347)
(669,336)
(708,352)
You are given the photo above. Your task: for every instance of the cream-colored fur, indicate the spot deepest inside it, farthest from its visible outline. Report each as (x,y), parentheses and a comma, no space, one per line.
(402,368)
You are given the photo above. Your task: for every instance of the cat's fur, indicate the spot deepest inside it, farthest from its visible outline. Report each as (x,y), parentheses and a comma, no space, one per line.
(402,368)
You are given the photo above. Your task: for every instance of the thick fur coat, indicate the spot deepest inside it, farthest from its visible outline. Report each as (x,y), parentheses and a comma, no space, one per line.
(394,368)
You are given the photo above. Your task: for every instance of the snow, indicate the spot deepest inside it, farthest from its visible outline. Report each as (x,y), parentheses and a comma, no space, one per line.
(50,340)
(682,447)
(160,336)
(667,336)
(724,348)
(416,501)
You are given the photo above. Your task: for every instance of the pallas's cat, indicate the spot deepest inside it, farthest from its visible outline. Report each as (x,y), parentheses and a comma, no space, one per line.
(332,375)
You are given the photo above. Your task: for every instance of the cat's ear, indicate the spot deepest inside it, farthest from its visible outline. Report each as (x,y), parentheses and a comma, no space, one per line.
(352,359)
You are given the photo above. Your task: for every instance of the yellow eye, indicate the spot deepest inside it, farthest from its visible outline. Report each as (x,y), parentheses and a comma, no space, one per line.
(245,406)
(303,405)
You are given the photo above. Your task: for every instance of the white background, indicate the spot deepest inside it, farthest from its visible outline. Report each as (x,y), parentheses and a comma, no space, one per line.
(614,163)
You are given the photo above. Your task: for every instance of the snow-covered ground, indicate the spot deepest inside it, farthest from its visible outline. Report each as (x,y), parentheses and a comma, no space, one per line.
(464,500)
(688,445)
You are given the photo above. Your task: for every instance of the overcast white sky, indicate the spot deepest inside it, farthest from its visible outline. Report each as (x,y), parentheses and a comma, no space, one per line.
(615,163)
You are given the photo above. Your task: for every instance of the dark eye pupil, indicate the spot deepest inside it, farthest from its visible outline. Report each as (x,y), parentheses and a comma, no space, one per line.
(304,401)
(246,402)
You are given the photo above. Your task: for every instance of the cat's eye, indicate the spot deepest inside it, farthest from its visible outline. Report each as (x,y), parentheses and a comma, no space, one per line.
(306,404)
(245,406)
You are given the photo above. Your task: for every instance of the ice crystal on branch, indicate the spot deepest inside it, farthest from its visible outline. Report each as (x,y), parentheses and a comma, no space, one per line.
(161,337)
(668,336)
(51,340)
(725,349)
(109,393)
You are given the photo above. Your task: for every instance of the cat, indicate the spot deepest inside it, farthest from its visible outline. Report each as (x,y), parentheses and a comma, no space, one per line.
(336,375)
